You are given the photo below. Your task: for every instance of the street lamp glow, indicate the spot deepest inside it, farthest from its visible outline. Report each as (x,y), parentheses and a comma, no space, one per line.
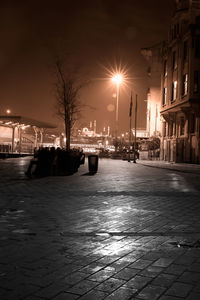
(8,111)
(117,78)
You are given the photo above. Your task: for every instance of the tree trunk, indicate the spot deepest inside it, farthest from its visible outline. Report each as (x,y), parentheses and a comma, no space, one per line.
(68,135)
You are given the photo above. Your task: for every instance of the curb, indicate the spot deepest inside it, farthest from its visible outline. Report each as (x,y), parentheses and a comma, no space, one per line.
(174,168)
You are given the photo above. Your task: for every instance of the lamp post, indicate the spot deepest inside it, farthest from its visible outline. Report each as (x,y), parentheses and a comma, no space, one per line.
(134,160)
(117,79)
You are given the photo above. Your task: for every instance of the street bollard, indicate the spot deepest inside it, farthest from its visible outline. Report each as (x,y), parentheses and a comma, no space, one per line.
(93,163)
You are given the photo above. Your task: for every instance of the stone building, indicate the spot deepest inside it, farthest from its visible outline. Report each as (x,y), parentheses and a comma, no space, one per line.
(153,56)
(180,86)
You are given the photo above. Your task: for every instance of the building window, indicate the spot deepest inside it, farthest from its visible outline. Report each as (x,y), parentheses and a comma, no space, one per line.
(164,128)
(197,20)
(149,71)
(174,60)
(165,96)
(197,47)
(182,126)
(185,50)
(165,68)
(171,128)
(196,81)
(174,91)
(177,29)
(192,123)
(174,31)
(185,85)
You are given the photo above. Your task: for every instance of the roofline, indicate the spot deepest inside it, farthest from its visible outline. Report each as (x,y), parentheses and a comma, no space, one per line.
(27,121)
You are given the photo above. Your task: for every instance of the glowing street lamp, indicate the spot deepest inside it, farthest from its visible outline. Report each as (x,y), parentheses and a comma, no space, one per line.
(8,111)
(117,79)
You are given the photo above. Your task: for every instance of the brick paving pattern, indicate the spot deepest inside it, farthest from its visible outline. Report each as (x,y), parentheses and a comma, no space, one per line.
(128,232)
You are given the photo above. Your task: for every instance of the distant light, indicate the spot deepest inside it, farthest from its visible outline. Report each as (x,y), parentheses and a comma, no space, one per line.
(114,95)
(8,111)
(117,78)
(110,107)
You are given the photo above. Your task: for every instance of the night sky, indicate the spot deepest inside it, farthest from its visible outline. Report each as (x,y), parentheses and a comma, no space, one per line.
(96,35)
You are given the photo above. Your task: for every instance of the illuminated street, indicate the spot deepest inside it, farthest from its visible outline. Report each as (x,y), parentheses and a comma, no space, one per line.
(128,232)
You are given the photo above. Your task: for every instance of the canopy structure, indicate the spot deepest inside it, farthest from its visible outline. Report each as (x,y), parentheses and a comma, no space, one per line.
(19,123)
(20,120)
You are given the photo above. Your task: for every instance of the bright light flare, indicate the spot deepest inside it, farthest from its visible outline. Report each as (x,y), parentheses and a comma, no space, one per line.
(117,78)
(117,75)
(8,111)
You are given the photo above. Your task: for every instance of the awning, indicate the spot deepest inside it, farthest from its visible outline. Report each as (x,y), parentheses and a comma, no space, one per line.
(20,120)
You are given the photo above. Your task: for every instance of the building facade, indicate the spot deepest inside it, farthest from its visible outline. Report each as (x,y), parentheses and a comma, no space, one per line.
(180,86)
(153,56)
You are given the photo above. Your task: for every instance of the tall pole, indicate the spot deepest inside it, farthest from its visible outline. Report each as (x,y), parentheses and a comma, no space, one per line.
(13,138)
(129,154)
(20,139)
(117,79)
(149,119)
(95,127)
(117,111)
(130,125)
(135,129)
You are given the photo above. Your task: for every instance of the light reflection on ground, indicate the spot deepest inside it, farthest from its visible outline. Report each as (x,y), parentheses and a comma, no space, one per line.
(61,227)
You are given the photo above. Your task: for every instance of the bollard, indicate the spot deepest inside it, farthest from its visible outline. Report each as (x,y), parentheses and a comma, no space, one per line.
(93,163)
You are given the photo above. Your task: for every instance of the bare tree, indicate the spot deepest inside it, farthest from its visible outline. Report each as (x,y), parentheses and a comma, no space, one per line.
(68,104)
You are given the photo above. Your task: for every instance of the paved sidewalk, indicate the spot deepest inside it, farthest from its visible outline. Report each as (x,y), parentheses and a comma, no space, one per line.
(128,232)
(181,167)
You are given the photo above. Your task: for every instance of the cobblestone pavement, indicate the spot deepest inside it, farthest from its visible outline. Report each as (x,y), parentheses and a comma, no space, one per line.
(128,232)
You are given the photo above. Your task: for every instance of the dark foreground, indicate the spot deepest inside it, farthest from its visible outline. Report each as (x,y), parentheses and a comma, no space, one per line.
(128,232)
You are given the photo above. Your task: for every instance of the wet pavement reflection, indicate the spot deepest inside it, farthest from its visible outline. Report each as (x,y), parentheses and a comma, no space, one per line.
(128,232)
